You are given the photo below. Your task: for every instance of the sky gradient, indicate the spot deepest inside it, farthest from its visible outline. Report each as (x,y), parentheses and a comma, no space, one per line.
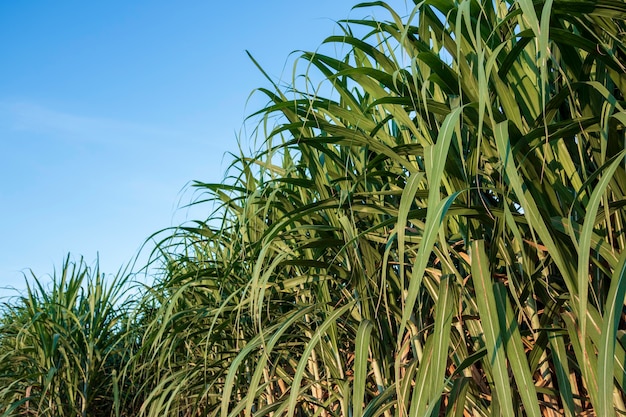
(109,109)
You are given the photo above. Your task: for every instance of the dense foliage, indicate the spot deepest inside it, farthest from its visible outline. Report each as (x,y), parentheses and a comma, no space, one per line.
(62,346)
(433,225)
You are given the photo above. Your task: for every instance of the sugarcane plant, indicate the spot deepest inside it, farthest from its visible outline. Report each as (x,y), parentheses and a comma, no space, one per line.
(433,225)
(63,344)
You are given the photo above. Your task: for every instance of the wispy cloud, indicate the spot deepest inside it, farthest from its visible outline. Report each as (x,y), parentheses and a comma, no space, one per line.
(26,116)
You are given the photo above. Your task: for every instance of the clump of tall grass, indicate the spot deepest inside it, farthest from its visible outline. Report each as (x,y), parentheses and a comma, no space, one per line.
(63,344)
(441,234)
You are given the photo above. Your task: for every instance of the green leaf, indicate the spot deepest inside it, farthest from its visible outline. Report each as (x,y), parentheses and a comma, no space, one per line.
(361,353)
(490,319)
(606,346)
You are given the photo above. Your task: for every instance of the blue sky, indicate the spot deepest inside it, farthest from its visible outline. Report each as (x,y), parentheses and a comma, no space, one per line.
(108,109)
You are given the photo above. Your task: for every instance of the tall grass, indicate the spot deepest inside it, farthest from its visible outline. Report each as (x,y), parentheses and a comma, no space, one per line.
(442,234)
(63,345)
(433,225)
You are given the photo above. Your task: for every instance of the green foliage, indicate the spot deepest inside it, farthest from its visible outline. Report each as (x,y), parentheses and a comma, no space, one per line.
(433,226)
(436,228)
(62,347)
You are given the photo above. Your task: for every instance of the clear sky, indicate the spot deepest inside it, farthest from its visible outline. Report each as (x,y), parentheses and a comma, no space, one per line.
(108,109)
